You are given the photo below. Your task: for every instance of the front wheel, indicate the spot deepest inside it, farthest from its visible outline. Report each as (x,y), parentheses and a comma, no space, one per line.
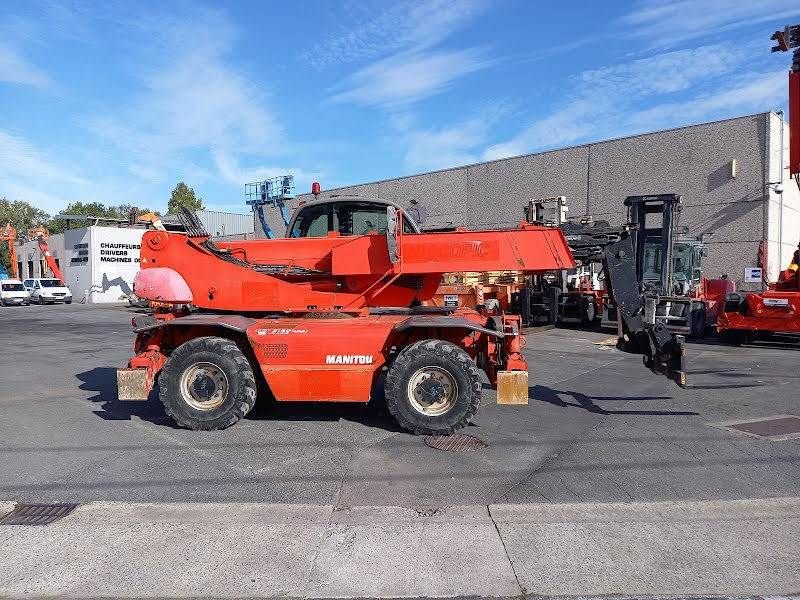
(207,383)
(433,388)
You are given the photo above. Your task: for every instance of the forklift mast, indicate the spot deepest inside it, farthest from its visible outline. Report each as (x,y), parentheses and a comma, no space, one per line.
(642,211)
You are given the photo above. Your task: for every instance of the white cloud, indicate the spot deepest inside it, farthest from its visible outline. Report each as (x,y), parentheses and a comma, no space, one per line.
(20,158)
(233,172)
(369,31)
(28,173)
(665,23)
(415,68)
(640,95)
(15,69)
(193,101)
(749,93)
(409,77)
(457,144)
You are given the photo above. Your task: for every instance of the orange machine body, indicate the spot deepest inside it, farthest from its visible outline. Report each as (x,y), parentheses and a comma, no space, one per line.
(340,273)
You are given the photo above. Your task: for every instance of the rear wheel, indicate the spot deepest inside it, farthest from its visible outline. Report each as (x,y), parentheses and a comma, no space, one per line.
(433,388)
(207,383)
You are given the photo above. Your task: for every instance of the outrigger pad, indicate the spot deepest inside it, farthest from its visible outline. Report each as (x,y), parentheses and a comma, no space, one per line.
(512,387)
(132,384)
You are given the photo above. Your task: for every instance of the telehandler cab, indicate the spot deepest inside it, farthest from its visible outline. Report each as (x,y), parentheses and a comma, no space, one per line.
(319,315)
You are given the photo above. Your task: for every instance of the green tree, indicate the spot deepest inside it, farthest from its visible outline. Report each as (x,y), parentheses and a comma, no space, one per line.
(22,217)
(92,209)
(183,197)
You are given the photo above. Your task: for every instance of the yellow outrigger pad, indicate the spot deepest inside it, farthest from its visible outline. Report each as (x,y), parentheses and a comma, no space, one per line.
(132,384)
(512,387)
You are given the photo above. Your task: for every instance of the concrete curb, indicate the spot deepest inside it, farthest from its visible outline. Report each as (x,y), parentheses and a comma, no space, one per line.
(110,549)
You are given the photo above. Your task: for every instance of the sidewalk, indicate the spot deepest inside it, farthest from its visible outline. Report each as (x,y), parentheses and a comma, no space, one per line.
(744,547)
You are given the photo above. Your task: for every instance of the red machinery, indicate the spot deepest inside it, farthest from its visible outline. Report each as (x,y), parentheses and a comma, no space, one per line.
(40,234)
(319,318)
(9,234)
(776,310)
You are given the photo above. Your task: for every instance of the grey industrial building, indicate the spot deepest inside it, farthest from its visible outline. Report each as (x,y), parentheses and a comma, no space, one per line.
(727,171)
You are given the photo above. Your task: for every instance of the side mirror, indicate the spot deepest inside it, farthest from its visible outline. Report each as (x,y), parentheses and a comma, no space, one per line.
(391,233)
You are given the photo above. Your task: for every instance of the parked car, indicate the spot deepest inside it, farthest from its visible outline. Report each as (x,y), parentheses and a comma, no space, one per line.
(13,292)
(47,290)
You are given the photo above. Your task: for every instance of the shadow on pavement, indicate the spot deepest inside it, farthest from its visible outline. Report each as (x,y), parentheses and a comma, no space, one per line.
(588,403)
(103,380)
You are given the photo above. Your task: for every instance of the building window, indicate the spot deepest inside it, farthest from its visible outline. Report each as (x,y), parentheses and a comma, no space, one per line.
(30,269)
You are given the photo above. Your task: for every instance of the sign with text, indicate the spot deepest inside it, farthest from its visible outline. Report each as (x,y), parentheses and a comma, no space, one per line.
(753,274)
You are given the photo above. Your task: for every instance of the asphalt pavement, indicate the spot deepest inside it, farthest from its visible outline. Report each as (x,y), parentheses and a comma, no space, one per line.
(611,481)
(599,428)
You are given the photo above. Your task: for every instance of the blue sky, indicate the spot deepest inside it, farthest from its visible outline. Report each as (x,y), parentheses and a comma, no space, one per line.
(116,101)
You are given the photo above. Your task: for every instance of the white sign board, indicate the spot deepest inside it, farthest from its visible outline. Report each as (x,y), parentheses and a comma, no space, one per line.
(451,299)
(753,274)
(776,302)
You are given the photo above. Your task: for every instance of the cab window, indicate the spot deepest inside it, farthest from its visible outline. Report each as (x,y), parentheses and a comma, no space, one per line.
(312,222)
(359,218)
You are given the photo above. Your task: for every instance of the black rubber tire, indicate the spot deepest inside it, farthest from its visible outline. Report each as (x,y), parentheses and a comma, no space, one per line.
(2,302)
(446,356)
(67,301)
(226,355)
(697,321)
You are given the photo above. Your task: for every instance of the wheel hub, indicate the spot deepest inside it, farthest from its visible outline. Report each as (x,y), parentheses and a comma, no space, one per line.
(204,386)
(432,391)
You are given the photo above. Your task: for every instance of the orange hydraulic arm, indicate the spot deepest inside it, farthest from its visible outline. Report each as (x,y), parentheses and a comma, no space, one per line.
(9,234)
(333,273)
(40,234)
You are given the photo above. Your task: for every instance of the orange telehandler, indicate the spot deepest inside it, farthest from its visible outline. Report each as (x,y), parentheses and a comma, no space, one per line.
(323,313)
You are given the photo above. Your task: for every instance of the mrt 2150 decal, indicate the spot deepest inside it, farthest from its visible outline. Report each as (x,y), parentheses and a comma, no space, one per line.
(280,331)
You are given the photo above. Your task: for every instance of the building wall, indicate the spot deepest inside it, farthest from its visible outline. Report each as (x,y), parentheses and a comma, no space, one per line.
(31,260)
(783,209)
(695,161)
(226,224)
(98,263)
(114,260)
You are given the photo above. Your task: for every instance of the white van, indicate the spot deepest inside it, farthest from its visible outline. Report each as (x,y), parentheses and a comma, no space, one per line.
(47,290)
(13,292)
